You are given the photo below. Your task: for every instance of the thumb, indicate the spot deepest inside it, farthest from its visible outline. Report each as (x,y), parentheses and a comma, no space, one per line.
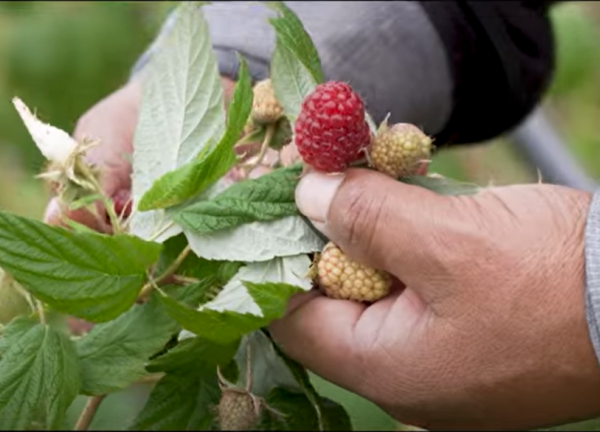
(383,223)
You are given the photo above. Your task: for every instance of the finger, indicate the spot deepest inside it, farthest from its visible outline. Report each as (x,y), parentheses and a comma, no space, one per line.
(318,333)
(378,221)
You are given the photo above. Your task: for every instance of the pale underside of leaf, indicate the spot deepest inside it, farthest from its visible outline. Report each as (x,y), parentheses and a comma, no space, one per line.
(235,296)
(257,241)
(181,112)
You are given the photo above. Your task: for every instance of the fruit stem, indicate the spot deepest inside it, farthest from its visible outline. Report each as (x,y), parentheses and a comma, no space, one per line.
(88,413)
(263,149)
(162,230)
(168,272)
(108,205)
(41,312)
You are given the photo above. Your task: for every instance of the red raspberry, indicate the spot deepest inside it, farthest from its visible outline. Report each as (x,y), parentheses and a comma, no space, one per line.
(330,131)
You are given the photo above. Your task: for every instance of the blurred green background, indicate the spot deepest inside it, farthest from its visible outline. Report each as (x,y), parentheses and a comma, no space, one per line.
(62,57)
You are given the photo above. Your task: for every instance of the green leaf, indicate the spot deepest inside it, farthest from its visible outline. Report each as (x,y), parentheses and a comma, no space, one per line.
(193,266)
(331,416)
(189,180)
(239,295)
(39,375)
(294,412)
(181,110)
(265,198)
(113,355)
(191,355)
(180,402)
(442,185)
(226,326)
(290,33)
(91,276)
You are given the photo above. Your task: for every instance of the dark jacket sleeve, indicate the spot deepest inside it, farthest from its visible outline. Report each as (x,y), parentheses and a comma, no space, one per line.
(501,56)
(463,71)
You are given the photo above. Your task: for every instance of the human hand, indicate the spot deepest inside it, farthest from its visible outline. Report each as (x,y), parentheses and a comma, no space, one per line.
(487,329)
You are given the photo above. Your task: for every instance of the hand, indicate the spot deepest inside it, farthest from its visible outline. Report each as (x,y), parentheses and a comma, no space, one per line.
(487,329)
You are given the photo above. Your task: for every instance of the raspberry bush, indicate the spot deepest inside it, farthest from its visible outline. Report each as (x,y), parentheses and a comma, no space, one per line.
(202,255)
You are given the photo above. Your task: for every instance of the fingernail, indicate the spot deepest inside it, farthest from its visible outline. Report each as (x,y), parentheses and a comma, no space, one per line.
(314,195)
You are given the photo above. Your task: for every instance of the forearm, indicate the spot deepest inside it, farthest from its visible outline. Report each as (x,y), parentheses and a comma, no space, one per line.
(463,71)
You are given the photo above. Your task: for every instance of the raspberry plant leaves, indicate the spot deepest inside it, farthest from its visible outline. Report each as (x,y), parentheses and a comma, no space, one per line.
(113,355)
(212,163)
(237,297)
(191,355)
(266,198)
(298,413)
(90,276)
(292,35)
(180,402)
(228,326)
(257,241)
(181,110)
(184,398)
(271,371)
(39,376)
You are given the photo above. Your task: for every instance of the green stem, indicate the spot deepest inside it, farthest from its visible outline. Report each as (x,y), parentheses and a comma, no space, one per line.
(168,272)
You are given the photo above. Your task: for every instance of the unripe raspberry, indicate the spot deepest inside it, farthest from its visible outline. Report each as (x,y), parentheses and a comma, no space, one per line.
(341,278)
(399,150)
(331,131)
(265,108)
(238,410)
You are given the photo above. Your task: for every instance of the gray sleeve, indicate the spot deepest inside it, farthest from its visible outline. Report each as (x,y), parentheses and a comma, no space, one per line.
(388,51)
(592,272)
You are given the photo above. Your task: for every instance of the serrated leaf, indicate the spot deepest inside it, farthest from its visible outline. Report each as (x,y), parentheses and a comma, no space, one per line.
(177,186)
(263,199)
(241,293)
(291,81)
(113,355)
(291,34)
(91,276)
(193,355)
(442,185)
(180,402)
(227,326)
(39,375)
(257,241)
(181,110)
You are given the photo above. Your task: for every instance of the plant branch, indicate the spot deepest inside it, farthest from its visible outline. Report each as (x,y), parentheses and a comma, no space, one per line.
(263,149)
(168,272)
(88,413)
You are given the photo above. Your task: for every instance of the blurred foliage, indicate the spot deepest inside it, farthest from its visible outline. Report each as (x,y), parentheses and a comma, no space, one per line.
(63,57)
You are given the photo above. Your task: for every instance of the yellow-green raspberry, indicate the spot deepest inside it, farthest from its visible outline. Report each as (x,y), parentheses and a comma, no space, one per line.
(265,107)
(399,150)
(339,277)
